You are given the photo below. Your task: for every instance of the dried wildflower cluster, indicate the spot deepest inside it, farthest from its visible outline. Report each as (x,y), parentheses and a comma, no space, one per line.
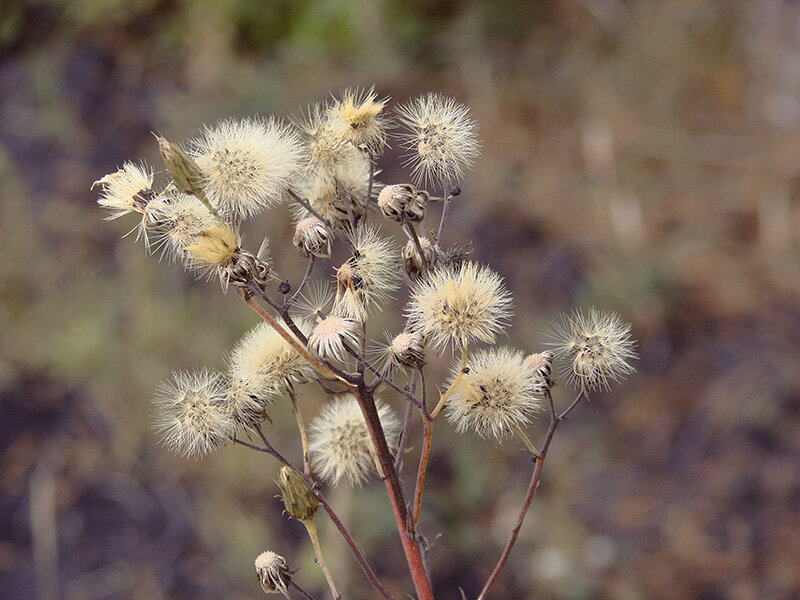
(365,241)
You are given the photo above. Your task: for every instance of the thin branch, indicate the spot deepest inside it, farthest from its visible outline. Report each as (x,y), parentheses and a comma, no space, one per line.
(306,277)
(301,426)
(311,528)
(448,198)
(575,402)
(303,593)
(427,423)
(304,203)
(462,371)
(409,226)
(268,449)
(403,392)
(401,448)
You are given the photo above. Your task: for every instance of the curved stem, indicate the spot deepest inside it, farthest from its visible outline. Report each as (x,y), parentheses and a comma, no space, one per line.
(453,385)
(301,426)
(303,593)
(311,527)
(527,441)
(311,260)
(427,424)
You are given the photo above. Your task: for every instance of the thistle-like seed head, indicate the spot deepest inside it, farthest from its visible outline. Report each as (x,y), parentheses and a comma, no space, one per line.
(312,238)
(273,573)
(339,442)
(402,199)
(441,137)
(247,408)
(299,500)
(127,190)
(328,338)
(595,348)
(191,413)
(459,304)
(178,219)
(213,249)
(416,265)
(248,165)
(358,117)
(408,349)
(496,395)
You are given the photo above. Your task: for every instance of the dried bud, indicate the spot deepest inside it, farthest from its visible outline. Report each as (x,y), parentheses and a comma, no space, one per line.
(273,573)
(329,337)
(415,264)
(408,349)
(299,500)
(311,237)
(540,366)
(403,199)
(181,167)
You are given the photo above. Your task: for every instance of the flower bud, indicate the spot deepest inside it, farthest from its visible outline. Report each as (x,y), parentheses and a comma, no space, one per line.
(273,573)
(299,500)
(540,366)
(185,173)
(408,349)
(311,237)
(393,199)
(415,264)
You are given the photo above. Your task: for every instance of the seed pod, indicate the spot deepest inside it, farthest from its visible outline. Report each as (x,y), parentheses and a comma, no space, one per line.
(408,349)
(415,264)
(181,167)
(273,573)
(311,237)
(299,500)
(393,200)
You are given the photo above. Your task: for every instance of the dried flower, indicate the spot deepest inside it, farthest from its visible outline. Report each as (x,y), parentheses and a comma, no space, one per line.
(266,362)
(331,334)
(441,136)
(312,238)
(408,349)
(273,573)
(248,165)
(369,276)
(126,190)
(459,304)
(541,367)
(179,219)
(339,442)
(495,396)
(213,249)
(191,413)
(416,265)
(317,297)
(298,499)
(403,199)
(595,348)
(246,406)
(358,118)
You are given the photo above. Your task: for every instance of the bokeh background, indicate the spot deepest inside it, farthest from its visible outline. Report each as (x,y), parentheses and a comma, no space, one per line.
(640,156)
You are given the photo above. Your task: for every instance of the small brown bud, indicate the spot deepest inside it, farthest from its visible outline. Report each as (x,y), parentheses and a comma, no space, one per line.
(415,264)
(408,349)
(273,573)
(299,500)
(393,199)
(311,237)
(185,173)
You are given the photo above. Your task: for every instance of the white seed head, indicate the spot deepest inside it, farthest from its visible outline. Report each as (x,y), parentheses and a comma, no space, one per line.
(358,117)
(459,304)
(339,442)
(368,278)
(191,413)
(126,190)
(408,349)
(180,219)
(213,250)
(328,338)
(248,165)
(247,408)
(273,573)
(496,395)
(594,348)
(266,362)
(312,238)
(441,137)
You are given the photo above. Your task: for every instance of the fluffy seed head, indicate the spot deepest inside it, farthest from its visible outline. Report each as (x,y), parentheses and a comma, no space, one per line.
(312,238)
(458,304)
(248,165)
(340,445)
(369,276)
(273,573)
(214,248)
(247,408)
(417,264)
(358,118)
(180,219)
(328,338)
(496,395)
(408,349)
(265,362)
(441,137)
(540,366)
(298,499)
(595,348)
(191,413)
(126,190)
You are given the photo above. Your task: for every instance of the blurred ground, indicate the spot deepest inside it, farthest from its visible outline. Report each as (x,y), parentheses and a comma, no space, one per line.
(640,156)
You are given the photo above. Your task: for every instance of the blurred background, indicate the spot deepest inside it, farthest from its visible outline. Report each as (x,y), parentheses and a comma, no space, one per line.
(638,156)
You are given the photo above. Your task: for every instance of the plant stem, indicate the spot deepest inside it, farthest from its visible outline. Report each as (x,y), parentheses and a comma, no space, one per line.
(527,441)
(303,593)
(311,527)
(395,491)
(427,436)
(445,213)
(301,426)
(306,276)
(453,385)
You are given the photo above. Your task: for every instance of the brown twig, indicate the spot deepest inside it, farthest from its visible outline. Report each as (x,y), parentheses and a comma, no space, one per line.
(427,424)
